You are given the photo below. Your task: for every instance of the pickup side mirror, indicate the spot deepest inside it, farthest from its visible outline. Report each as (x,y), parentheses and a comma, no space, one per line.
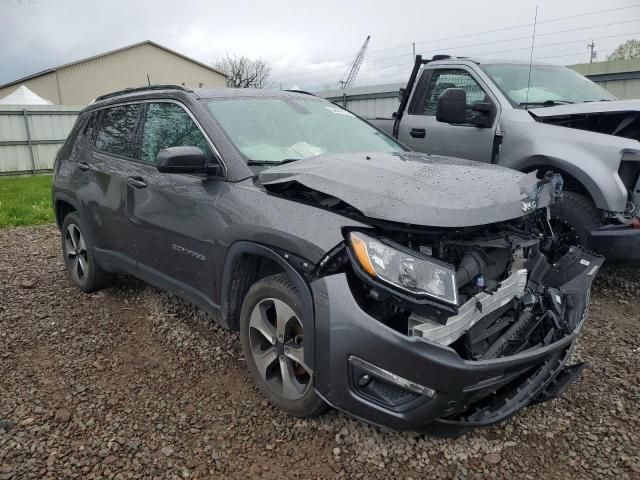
(452,106)
(184,160)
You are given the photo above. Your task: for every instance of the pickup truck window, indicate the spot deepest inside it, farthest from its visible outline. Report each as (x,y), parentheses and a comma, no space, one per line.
(442,79)
(273,130)
(550,85)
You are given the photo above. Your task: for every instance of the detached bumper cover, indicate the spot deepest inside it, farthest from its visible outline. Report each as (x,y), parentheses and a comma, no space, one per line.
(344,332)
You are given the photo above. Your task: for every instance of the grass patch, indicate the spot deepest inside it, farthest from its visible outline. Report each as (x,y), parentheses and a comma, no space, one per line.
(25,200)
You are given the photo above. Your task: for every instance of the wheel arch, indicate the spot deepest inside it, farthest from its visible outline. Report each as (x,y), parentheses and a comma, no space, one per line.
(63,205)
(576,179)
(246,263)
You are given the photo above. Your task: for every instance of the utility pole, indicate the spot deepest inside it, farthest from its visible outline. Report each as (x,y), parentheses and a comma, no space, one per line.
(413,46)
(591,46)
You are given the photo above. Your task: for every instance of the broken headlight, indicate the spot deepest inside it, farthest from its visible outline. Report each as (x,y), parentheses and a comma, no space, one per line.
(405,270)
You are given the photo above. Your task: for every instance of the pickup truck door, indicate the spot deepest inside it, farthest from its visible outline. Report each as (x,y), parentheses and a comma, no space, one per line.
(420,130)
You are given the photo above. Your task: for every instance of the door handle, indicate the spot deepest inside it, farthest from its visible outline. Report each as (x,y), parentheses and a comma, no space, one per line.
(417,132)
(84,166)
(136,182)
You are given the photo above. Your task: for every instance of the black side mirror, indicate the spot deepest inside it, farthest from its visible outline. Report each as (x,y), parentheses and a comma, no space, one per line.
(181,160)
(452,106)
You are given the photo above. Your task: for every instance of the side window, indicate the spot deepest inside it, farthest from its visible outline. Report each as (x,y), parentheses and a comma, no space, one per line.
(451,78)
(169,125)
(117,131)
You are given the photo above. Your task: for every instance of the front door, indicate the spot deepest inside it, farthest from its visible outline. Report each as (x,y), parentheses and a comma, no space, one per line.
(173,214)
(421,131)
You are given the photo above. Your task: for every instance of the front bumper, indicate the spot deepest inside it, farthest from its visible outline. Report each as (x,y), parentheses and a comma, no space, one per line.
(617,243)
(343,331)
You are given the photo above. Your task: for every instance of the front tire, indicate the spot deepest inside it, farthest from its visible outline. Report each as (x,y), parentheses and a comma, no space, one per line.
(573,218)
(272,332)
(79,257)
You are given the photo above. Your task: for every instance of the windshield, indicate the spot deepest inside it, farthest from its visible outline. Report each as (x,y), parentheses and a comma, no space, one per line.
(550,85)
(273,130)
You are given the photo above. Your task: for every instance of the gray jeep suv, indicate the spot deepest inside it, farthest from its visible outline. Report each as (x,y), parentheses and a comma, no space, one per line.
(409,290)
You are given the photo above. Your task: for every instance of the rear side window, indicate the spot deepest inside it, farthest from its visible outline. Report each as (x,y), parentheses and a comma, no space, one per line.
(169,125)
(117,131)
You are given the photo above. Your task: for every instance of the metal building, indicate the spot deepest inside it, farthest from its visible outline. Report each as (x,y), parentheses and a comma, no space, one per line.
(369,102)
(79,82)
(620,77)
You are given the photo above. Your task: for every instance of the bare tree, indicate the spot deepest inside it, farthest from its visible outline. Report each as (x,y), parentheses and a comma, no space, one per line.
(629,49)
(242,72)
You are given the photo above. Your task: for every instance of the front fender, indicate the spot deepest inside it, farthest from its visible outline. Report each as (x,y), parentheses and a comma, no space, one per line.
(605,187)
(591,158)
(308,321)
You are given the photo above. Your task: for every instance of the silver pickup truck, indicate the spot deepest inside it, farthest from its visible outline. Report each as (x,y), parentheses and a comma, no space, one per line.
(539,117)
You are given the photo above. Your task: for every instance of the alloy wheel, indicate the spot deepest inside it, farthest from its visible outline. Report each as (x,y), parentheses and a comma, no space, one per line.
(76,252)
(276,341)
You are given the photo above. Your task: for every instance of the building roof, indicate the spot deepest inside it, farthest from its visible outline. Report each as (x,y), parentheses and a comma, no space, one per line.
(145,42)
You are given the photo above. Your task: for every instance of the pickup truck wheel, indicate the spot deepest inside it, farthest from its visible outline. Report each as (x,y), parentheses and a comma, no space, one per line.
(573,218)
(271,332)
(79,259)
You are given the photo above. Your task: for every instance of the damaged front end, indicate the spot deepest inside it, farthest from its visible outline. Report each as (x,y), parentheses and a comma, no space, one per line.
(488,293)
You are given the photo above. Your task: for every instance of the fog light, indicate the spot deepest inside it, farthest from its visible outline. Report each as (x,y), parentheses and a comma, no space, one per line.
(389,377)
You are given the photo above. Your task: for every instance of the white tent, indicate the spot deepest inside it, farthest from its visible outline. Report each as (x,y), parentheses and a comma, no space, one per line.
(23,96)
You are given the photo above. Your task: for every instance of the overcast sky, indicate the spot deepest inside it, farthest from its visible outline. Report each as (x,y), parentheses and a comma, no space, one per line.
(310,43)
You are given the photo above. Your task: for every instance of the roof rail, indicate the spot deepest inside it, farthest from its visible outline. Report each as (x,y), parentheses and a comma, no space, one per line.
(142,89)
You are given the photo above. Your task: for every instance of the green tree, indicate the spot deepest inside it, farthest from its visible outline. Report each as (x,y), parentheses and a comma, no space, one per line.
(629,49)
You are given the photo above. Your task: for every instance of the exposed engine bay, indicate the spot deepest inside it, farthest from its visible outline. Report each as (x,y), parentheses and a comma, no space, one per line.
(620,124)
(511,297)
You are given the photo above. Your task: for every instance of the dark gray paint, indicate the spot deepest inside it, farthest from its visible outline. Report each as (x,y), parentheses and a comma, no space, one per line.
(135,227)
(416,188)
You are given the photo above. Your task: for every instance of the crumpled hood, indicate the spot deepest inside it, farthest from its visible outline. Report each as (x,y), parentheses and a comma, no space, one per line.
(614,106)
(416,188)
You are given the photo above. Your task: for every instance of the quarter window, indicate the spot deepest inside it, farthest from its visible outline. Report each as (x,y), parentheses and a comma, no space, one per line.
(117,132)
(90,126)
(452,78)
(169,125)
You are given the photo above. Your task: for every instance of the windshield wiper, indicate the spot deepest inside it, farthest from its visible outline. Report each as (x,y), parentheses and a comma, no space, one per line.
(547,103)
(262,163)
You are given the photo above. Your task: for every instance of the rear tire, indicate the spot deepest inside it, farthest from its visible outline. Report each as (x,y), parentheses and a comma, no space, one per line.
(573,218)
(79,257)
(271,332)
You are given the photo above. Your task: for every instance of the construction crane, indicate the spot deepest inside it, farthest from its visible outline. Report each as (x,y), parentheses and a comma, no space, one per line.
(352,73)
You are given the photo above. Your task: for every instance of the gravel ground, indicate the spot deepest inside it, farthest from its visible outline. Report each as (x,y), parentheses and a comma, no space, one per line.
(132,383)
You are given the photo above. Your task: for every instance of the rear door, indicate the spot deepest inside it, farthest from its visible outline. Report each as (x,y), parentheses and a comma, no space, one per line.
(173,214)
(421,131)
(107,167)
